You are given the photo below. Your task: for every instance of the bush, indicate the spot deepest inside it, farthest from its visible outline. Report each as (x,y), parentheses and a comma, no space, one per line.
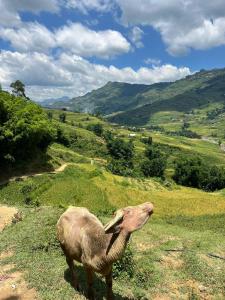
(147,140)
(120,149)
(194,172)
(62,138)
(108,136)
(96,128)
(155,164)
(62,117)
(121,167)
(154,167)
(153,152)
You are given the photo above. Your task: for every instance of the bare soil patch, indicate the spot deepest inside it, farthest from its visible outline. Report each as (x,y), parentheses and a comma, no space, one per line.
(12,284)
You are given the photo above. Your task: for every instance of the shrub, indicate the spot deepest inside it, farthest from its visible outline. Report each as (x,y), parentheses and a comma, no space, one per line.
(62,138)
(121,167)
(147,140)
(154,167)
(120,149)
(108,136)
(62,117)
(153,152)
(96,128)
(194,172)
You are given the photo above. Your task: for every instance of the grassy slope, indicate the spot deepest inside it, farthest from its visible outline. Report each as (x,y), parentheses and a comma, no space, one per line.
(184,218)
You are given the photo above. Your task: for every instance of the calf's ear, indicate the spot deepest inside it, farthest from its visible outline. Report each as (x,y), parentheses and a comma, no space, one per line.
(113,225)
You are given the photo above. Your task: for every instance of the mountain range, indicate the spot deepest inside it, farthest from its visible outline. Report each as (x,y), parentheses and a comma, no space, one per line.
(135,104)
(50,102)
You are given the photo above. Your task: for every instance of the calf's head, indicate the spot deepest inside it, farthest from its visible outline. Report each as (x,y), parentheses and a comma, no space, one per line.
(130,218)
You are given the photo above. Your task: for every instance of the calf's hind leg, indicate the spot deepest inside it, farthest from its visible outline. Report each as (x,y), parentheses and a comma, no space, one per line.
(73,272)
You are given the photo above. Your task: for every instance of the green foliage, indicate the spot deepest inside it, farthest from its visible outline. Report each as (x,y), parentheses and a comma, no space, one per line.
(215,112)
(96,128)
(108,136)
(120,149)
(50,115)
(155,164)
(18,88)
(62,117)
(152,153)
(121,153)
(187,133)
(126,265)
(194,172)
(154,167)
(24,128)
(147,140)
(120,167)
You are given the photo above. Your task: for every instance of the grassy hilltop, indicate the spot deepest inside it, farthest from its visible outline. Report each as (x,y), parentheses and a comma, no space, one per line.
(168,259)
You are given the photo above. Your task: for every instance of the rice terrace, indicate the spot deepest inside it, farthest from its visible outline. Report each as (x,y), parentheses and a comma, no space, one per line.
(112,150)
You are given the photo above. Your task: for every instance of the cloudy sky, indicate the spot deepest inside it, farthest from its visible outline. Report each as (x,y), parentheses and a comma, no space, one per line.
(69,47)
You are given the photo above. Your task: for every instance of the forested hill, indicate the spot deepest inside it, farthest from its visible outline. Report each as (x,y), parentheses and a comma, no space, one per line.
(135,104)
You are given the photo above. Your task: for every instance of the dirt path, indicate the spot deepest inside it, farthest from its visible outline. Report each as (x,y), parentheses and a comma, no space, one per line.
(12,284)
(17,178)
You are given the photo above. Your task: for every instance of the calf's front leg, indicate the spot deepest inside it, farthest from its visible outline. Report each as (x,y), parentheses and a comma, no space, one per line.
(108,279)
(90,279)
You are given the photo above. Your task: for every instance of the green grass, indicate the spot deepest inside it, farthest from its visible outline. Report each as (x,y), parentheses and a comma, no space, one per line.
(157,271)
(186,219)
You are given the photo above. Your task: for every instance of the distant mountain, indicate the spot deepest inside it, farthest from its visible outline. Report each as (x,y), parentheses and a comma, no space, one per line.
(134,104)
(53,101)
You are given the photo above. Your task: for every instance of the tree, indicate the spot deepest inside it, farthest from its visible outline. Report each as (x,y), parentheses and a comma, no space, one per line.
(152,152)
(24,129)
(62,117)
(147,140)
(120,167)
(194,172)
(108,136)
(185,125)
(96,128)
(50,115)
(154,167)
(119,149)
(18,88)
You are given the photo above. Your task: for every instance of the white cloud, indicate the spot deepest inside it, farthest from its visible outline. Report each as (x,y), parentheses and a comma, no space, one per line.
(86,42)
(74,38)
(32,69)
(183,24)
(87,5)
(32,6)
(206,36)
(152,61)
(10,9)
(72,75)
(29,37)
(136,36)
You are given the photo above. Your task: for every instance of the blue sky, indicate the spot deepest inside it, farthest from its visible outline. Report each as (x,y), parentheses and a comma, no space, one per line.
(69,47)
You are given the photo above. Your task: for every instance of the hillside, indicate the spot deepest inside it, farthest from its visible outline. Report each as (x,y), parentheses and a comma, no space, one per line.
(141,105)
(173,249)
